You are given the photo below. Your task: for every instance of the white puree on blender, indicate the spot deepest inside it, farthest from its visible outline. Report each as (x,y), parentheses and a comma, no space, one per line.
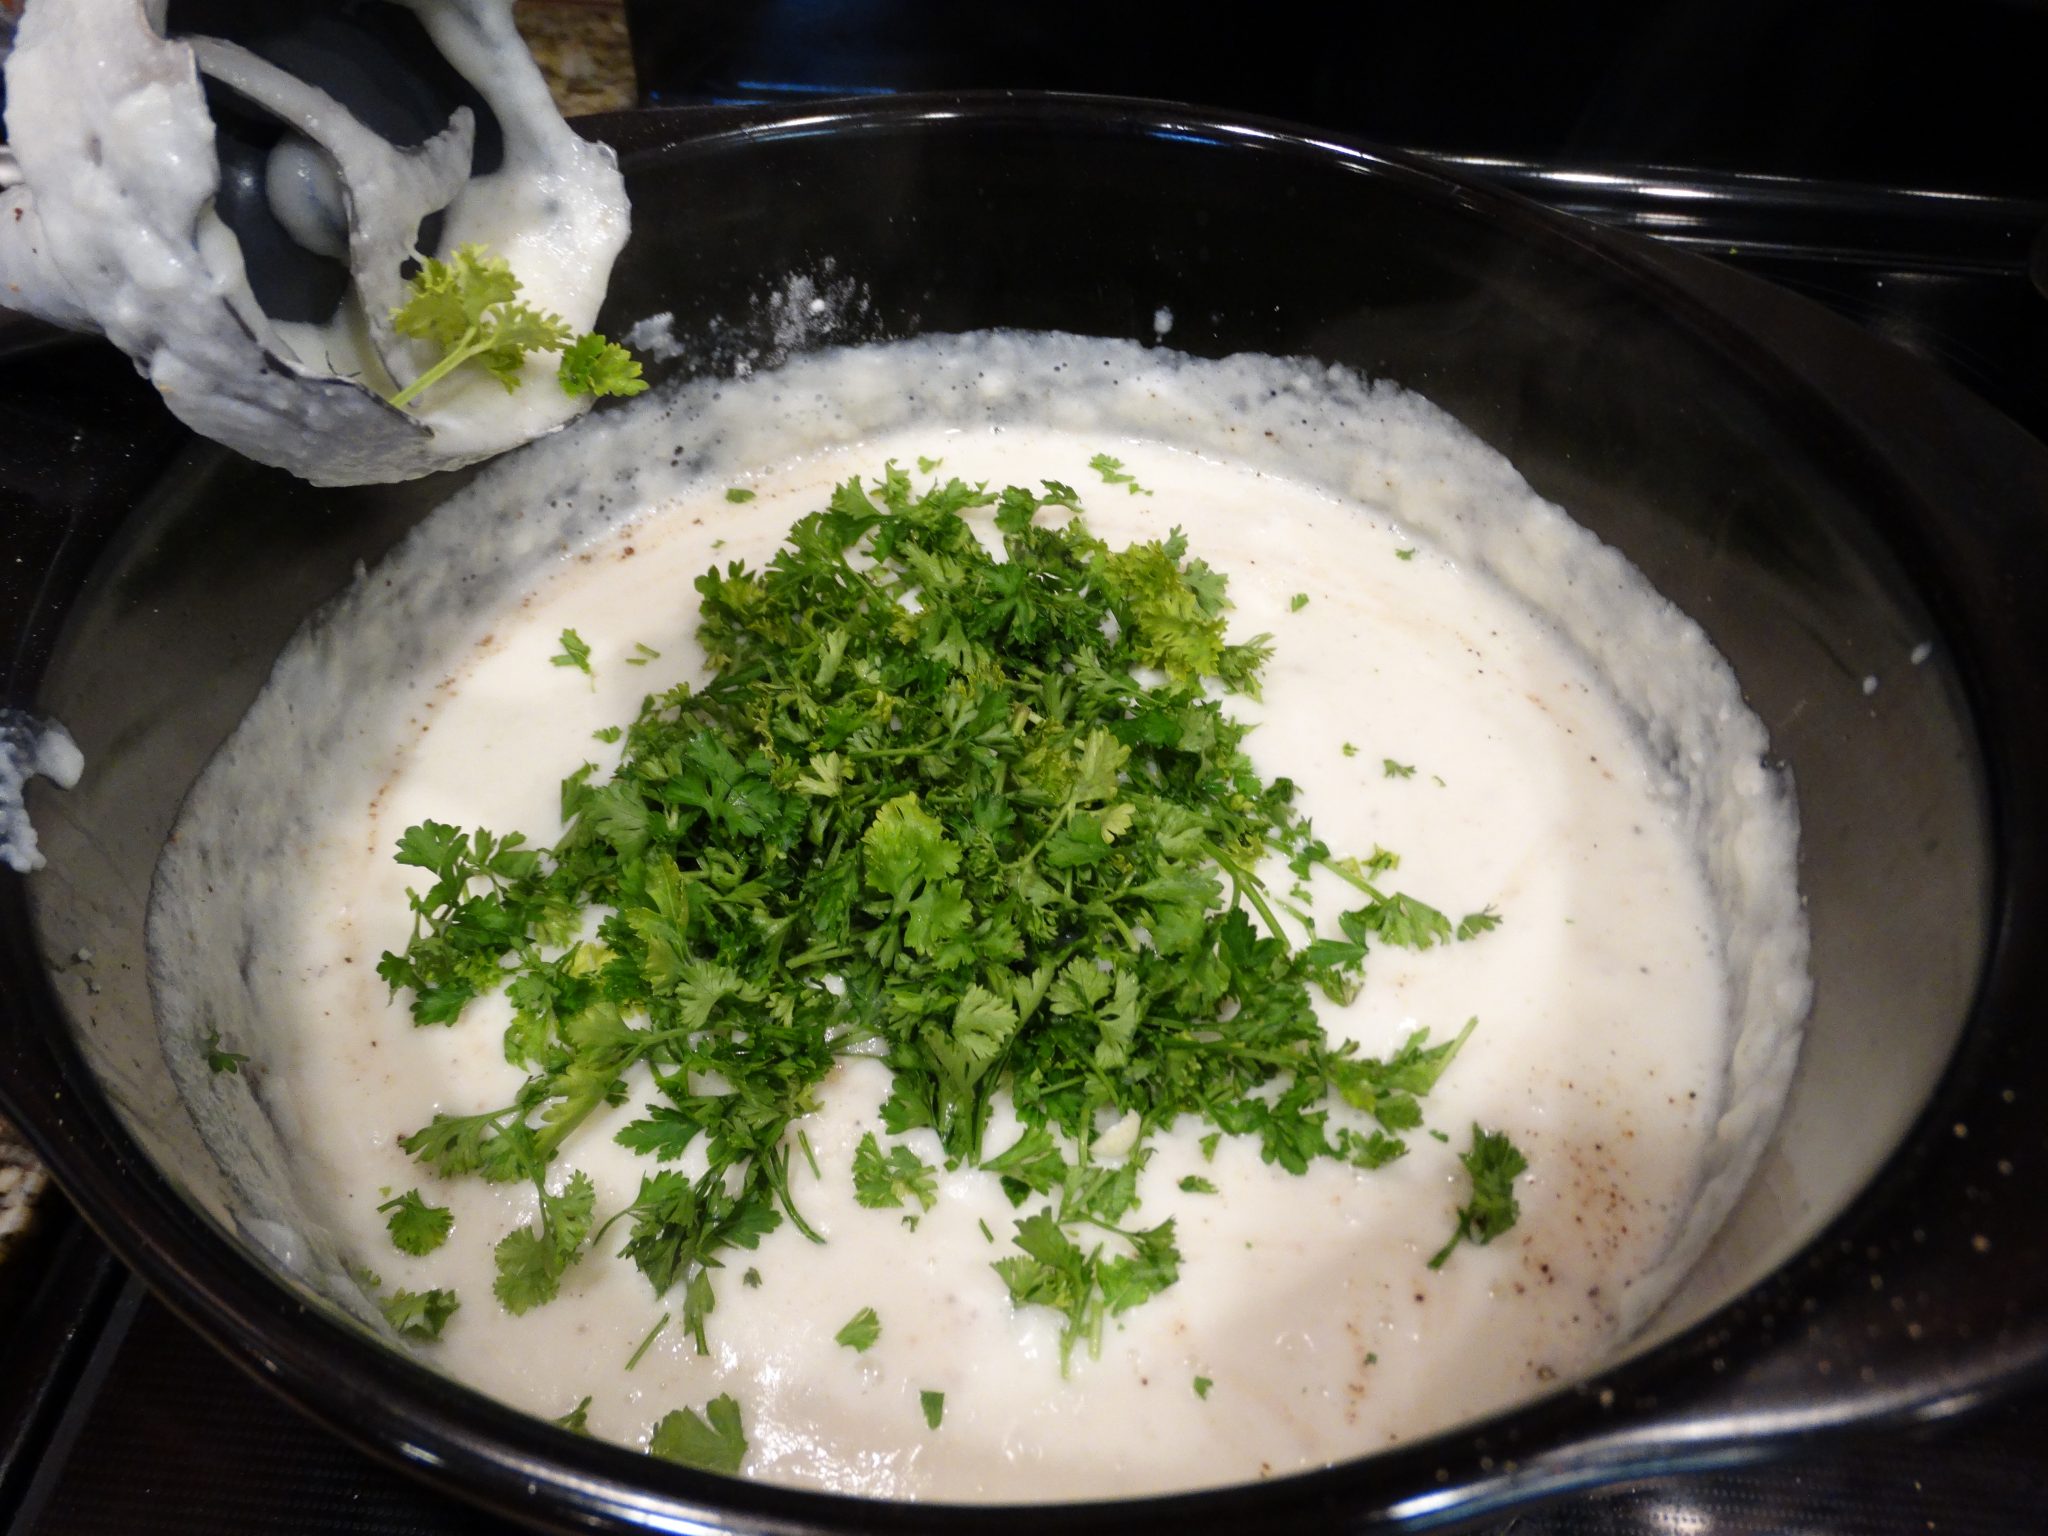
(1592,774)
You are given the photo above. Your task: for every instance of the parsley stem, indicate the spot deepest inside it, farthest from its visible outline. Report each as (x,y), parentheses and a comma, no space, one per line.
(648,1342)
(457,355)
(1247,885)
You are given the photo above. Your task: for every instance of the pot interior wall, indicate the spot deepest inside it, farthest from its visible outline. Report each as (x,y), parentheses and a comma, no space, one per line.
(1740,500)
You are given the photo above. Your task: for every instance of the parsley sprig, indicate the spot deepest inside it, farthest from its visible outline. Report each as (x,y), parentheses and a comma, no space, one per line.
(982,815)
(468,307)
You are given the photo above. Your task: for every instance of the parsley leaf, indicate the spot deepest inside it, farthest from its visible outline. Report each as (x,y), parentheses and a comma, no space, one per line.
(1394,770)
(531,1260)
(218,1059)
(934,1406)
(1493,1164)
(860,1332)
(712,1442)
(1297,602)
(739,493)
(1202,1386)
(415,1226)
(593,366)
(419,1314)
(1473,924)
(883,1180)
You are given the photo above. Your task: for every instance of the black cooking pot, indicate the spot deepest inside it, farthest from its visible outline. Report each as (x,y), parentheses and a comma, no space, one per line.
(1888,1262)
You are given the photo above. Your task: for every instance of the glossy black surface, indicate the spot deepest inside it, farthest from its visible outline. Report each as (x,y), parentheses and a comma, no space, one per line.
(227,1461)
(1891,92)
(1948,1233)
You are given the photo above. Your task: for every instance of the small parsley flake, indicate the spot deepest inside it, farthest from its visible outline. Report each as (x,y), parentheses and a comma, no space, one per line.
(219,1060)
(934,1406)
(1350,750)
(577,1419)
(925,466)
(1297,602)
(609,734)
(574,653)
(860,1332)
(1473,924)
(1394,770)
(1194,1184)
(1404,554)
(985,1231)
(752,1278)
(1202,1386)
(738,494)
(1112,472)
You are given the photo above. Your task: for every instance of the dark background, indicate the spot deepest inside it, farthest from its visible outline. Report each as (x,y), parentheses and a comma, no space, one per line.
(1944,94)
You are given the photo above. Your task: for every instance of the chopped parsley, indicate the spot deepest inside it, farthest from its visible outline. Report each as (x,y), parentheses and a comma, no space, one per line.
(1404,554)
(577,1419)
(642,654)
(1202,1386)
(1493,1163)
(1195,1184)
(738,494)
(712,1442)
(1112,472)
(648,1343)
(419,1315)
(221,1060)
(1297,602)
(860,1332)
(1472,924)
(574,653)
(1350,750)
(1394,770)
(983,817)
(415,1226)
(934,1406)
(881,1180)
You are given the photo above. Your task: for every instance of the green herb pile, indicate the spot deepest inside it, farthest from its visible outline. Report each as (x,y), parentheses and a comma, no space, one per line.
(983,815)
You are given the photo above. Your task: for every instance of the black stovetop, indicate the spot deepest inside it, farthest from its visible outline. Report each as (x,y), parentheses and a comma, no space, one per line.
(114,1418)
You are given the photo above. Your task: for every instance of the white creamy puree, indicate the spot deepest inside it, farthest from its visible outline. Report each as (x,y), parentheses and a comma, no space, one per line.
(1607,1017)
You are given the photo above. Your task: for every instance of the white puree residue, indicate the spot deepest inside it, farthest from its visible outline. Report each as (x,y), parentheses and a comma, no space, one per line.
(29,747)
(1594,774)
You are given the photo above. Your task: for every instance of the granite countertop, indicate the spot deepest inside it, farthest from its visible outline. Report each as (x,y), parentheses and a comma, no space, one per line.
(582,48)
